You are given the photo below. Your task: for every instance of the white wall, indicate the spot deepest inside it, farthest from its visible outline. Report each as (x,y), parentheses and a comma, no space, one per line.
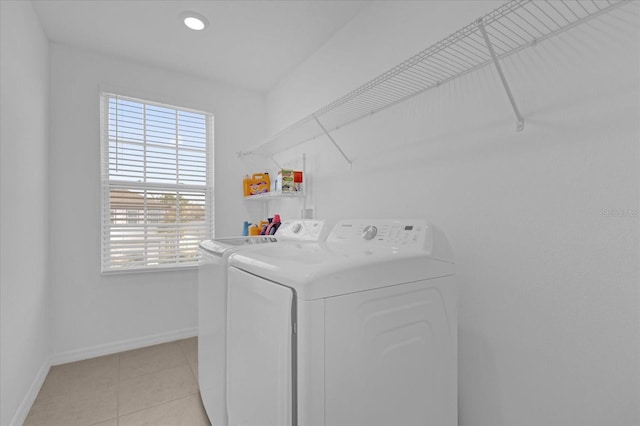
(92,313)
(548,279)
(24,304)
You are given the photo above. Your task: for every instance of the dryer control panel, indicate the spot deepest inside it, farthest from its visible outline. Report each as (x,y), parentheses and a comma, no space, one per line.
(382,232)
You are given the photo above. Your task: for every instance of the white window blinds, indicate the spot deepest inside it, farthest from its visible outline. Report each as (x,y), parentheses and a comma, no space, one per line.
(157,184)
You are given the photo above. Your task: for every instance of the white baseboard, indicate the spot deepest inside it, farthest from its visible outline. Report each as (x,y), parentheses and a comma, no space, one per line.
(123,345)
(23,410)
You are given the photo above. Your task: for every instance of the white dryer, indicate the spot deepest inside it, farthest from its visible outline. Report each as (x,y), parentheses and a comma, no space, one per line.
(358,331)
(212,310)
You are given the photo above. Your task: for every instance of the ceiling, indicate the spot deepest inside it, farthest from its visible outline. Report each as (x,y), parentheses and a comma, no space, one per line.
(249,43)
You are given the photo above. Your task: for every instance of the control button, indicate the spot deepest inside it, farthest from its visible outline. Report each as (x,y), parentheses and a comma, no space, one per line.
(369,232)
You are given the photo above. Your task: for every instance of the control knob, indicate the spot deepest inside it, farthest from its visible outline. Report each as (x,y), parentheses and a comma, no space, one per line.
(369,232)
(296,227)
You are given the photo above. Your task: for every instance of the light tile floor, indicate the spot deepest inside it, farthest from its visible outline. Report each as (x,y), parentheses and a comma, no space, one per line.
(152,386)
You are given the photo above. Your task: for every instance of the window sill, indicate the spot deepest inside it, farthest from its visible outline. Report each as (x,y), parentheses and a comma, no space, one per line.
(153,269)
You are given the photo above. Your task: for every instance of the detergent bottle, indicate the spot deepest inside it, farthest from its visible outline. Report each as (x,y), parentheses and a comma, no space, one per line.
(254,230)
(259,183)
(267,227)
(275,224)
(246,185)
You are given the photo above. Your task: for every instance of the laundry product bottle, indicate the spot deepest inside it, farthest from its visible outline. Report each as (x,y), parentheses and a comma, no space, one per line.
(245,228)
(272,221)
(267,227)
(246,185)
(275,224)
(262,226)
(259,183)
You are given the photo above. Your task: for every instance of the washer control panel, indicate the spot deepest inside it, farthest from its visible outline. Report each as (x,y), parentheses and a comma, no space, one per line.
(390,232)
(304,230)
(369,232)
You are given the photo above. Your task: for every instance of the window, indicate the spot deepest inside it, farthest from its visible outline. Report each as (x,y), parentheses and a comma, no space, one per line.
(157,184)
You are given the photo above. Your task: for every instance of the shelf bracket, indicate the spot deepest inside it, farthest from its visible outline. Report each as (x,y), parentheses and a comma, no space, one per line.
(520,123)
(332,140)
(276,163)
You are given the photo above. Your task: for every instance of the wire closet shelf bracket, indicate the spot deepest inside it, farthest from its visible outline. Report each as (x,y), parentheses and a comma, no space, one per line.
(502,32)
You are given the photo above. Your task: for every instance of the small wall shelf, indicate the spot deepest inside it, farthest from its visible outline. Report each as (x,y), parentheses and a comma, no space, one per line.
(506,30)
(267,197)
(274,195)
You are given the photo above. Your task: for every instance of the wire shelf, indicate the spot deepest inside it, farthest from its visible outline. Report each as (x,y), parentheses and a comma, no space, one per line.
(507,30)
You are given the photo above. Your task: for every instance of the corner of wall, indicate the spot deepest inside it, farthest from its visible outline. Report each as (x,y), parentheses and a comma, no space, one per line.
(23,410)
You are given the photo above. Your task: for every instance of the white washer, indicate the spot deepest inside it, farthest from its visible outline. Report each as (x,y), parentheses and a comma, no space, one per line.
(358,331)
(212,311)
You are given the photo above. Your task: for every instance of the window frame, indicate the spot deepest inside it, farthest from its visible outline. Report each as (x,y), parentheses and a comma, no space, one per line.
(107,184)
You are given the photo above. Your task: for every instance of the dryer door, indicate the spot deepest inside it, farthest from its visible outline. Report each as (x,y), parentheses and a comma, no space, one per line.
(260,351)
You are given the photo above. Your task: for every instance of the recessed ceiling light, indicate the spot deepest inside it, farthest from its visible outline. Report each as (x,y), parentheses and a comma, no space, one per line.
(194,21)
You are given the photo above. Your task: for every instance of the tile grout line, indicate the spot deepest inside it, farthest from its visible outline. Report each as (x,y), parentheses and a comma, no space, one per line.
(158,405)
(188,363)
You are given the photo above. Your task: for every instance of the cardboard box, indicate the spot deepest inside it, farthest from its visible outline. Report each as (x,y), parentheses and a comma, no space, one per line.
(289,181)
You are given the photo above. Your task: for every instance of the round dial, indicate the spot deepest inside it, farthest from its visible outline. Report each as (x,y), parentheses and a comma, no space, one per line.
(369,232)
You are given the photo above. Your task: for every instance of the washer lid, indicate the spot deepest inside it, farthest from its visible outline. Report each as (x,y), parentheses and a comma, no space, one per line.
(298,230)
(320,270)
(219,246)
